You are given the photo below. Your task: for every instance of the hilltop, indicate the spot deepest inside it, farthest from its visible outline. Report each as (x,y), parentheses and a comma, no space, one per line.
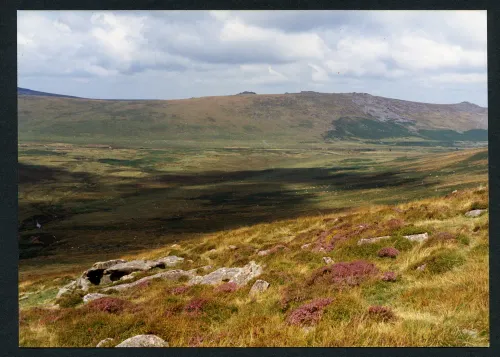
(295,119)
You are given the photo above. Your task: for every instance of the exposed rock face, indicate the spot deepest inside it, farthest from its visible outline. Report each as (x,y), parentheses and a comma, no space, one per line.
(93,296)
(372,240)
(417,237)
(106,342)
(143,341)
(259,287)
(475,213)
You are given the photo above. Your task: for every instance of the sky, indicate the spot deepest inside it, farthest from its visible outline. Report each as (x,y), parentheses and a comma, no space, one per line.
(423,56)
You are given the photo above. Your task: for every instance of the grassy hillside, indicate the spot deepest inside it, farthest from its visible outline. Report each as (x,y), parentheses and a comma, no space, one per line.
(278,120)
(96,203)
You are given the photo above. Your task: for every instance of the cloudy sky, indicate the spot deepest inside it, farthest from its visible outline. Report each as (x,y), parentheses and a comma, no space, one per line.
(426,56)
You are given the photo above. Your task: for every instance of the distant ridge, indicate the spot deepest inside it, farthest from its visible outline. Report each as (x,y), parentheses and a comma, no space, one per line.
(25,91)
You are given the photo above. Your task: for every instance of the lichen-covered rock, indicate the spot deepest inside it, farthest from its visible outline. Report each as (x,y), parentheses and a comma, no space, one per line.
(372,240)
(259,287)
(417,237)
(94,296)
(143,341)
(475,213)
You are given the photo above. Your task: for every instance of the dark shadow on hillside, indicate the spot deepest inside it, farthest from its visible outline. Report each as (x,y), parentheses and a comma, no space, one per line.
(33,174)
(217,201)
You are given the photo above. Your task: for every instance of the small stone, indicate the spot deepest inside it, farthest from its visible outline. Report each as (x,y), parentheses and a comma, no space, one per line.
(471,333)
(106,342)
(190,261)
(175,246)
(422,267)
(417,237)
(306,246)
(328,260)
(233,247)
(259,287)
(455,191)
(212,250)
(143,341)
(206,267)
(475,213)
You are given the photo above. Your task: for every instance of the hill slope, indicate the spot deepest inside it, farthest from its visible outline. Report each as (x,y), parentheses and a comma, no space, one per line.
(305,117)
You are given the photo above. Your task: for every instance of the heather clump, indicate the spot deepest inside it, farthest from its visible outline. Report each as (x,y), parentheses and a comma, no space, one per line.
(344,273)
(389,252)
(292,294)
(389,276)
(308,314)
(226,288)
(195,306)
(381,313)
(178,290)
(394,224)
(109,304)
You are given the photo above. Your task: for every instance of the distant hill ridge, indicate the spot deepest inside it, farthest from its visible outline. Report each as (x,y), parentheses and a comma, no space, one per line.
(291,118)
(25,91)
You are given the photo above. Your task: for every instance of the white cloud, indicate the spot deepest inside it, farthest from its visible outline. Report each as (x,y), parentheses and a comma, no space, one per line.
(283,50)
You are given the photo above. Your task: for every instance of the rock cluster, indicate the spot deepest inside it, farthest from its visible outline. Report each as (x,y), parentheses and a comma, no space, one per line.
(102,273)
(239,276)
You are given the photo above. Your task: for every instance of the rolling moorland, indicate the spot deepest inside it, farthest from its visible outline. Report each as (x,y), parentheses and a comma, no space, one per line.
(291,182)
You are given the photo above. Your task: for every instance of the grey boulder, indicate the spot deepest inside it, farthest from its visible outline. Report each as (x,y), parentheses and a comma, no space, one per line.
(143,341)
(475,213)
